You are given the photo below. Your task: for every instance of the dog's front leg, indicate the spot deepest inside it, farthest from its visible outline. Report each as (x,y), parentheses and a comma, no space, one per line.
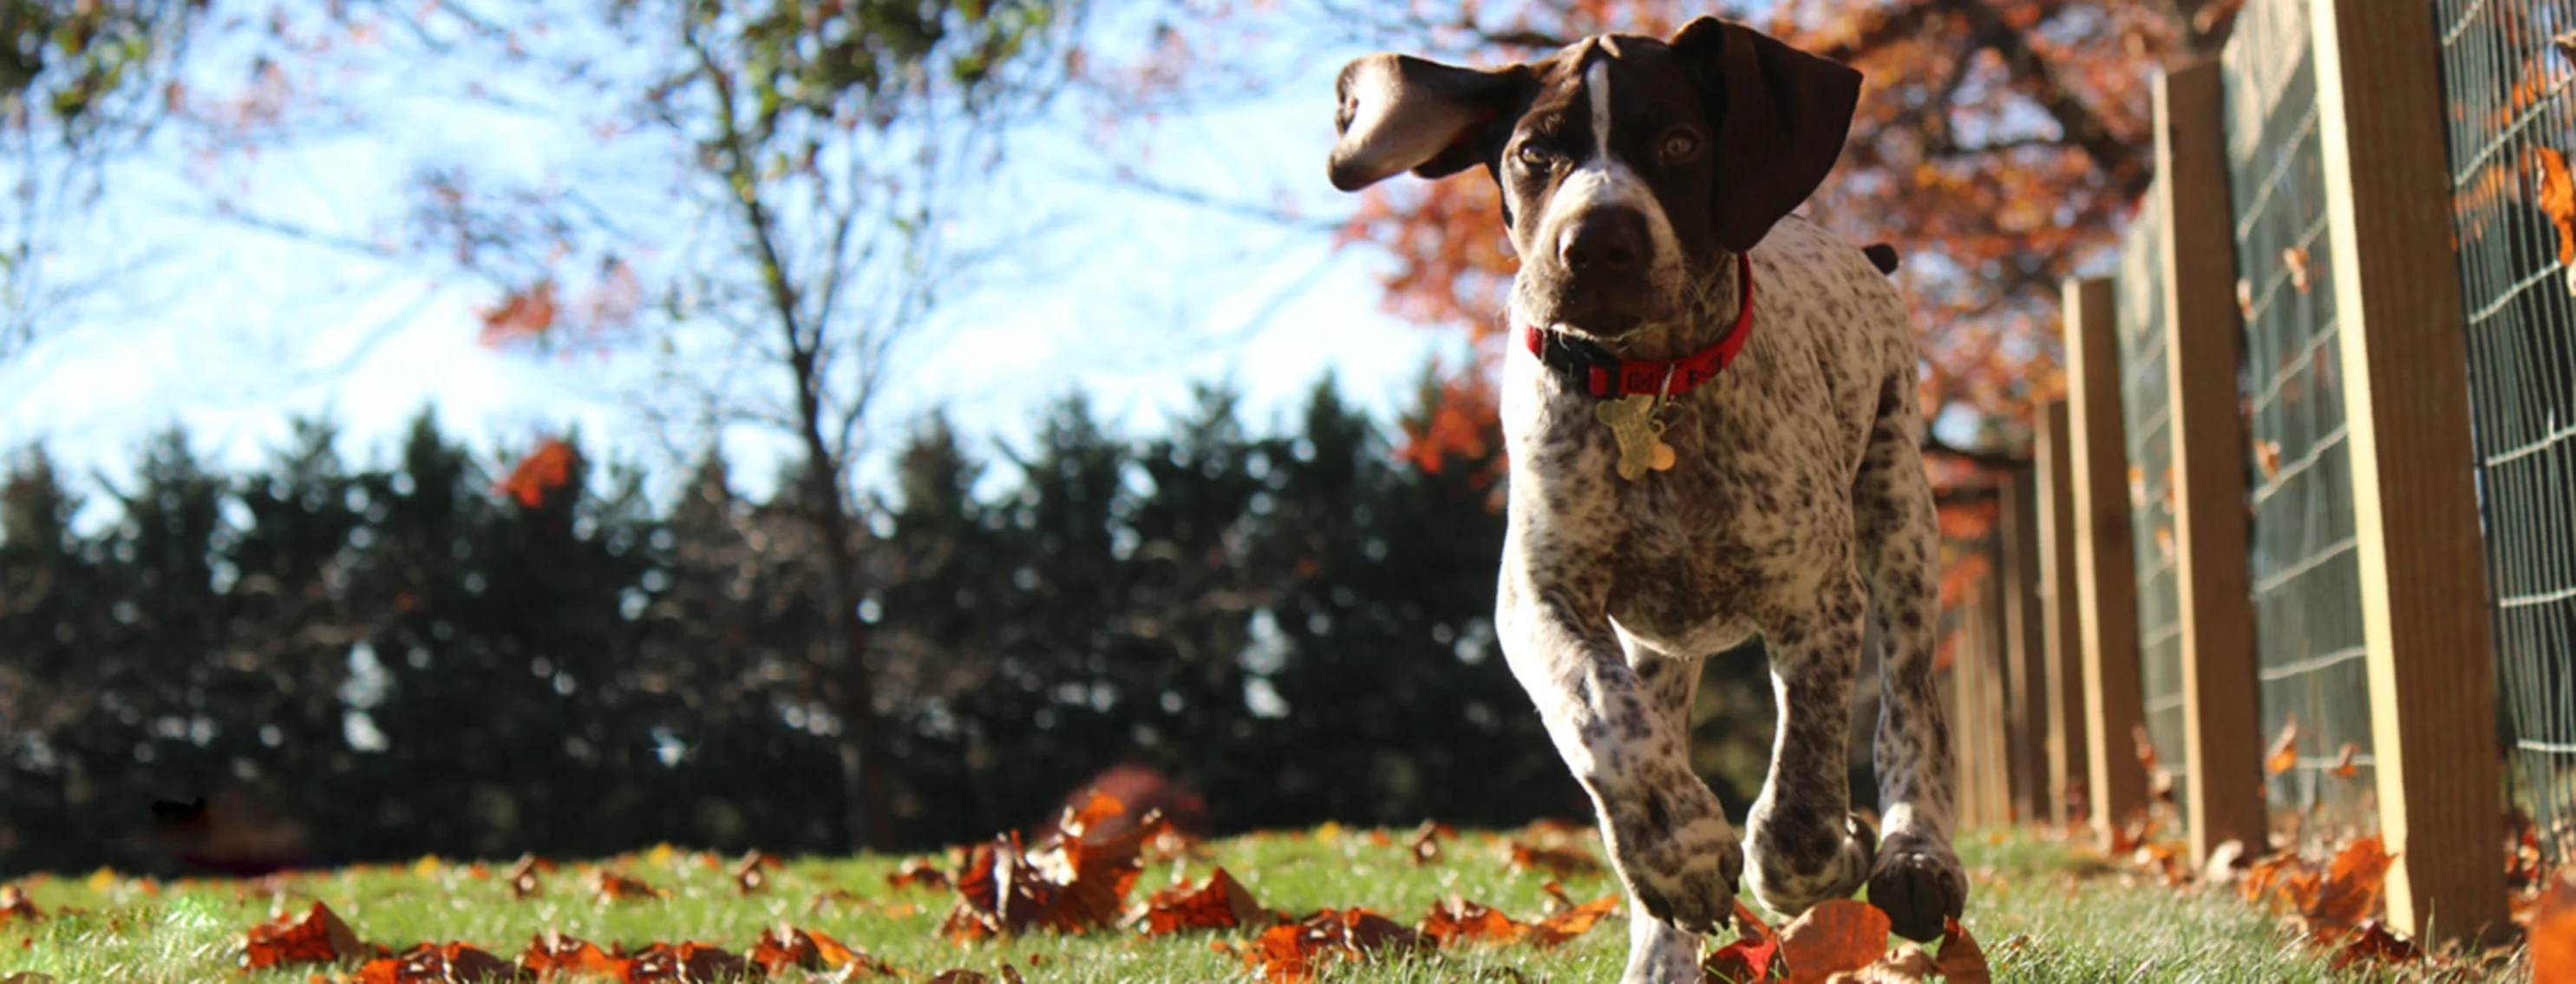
(1667,833)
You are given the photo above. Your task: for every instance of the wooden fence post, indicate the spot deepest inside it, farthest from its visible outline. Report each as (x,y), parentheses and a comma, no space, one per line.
(2425,614)
(2222,735)
(2062,661)
(2025,674)
(2106,573)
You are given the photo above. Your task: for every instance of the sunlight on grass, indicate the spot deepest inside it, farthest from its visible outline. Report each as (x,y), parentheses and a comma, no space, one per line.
(2044,911)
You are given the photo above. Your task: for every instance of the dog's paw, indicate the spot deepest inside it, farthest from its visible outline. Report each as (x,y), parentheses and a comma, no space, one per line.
(1790,884)
(1678,857)
(1920,886)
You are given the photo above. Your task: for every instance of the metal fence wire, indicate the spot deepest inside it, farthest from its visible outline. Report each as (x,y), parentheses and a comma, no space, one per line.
(2147,414)
(2512,129)
(2303,558)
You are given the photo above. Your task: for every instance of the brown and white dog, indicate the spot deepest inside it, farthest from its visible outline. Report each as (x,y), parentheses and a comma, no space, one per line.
(1663,510)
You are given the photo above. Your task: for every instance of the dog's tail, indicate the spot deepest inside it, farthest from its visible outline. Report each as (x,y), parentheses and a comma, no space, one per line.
(1882,256)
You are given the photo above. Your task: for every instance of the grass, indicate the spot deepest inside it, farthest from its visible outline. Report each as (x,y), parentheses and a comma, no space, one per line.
(2044,911)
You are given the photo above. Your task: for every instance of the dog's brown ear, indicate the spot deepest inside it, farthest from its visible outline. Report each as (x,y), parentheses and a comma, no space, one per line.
(1780,114)
(1401,113)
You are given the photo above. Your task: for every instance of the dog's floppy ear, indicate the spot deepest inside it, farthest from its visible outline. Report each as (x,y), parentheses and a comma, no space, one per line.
(1780,114)
(1401,113)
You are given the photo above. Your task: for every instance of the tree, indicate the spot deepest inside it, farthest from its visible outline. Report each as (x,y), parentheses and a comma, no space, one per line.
(81,85)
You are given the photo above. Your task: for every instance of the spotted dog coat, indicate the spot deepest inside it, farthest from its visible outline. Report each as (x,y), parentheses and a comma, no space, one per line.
(1634,173)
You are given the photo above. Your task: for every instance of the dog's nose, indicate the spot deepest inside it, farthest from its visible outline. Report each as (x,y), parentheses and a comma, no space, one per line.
(1607,240)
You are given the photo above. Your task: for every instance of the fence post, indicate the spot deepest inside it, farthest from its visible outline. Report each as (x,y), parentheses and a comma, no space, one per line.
(2425,616)
(2222,735)
(2062,703)
(2025,675)
(2106,573)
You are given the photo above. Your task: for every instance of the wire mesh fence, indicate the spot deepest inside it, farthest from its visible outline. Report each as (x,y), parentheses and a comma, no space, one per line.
(2140,291)
(2302,555)
(2512,124)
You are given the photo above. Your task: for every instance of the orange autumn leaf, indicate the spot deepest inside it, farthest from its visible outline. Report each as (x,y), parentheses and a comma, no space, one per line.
(1750,958)
(1571,923)
(1292,953)
(544,470)
(434,963)
(2345,767)
(917,873)
(781,947)
(14,904)
(551,953)
(2351,888)
(2553,935)
(2284,753)
(1005,888)
(1836,936)
(315,936)
(2373,942)
(2558,199)
(1221,903)
(1563,862)
(609,886)
(1424,845)
(1456,920)
(2268,455)
(1961,960)
(681,963)
(750,874)
(523,315)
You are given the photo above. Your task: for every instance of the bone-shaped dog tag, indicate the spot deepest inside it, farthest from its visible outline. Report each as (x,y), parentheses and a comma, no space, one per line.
(1632,424)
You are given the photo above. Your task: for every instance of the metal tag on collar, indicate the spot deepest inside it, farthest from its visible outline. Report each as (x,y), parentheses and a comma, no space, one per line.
(1639,434)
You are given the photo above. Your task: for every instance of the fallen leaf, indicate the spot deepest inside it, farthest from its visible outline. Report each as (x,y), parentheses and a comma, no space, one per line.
(1221,903)
(1750,958)
(2245,299)
(2350,890)
(433,963)
(2268,454)
(316,936)
(1425,842)
(2558,199)
(749,874)
(1571,923)
(681,963)
(917,873)
(1837,935)
(610,886)
(1292,952)
(781,947)
(14,904)
(551,952)
(1563,862)
(960,977)
(2284,754)
(1456,920)
(2345,767)
(2372,942)
(1961,961)
(2553,935)
(1907,964)
(1074,885)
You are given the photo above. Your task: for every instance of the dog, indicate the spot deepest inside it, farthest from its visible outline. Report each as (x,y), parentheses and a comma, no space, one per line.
(1713,434)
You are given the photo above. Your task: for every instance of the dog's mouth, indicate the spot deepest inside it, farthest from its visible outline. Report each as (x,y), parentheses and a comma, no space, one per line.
(1597,314)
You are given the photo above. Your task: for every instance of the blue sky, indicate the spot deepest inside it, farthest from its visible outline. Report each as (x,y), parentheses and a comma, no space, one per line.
(1126,294)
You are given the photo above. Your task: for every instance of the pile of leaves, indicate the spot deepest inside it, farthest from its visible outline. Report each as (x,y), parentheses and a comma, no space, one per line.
(1840,942)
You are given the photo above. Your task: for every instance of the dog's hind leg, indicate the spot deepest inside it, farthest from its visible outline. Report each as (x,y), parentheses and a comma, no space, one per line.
(1802,845)
(1919,881)
(1658,951)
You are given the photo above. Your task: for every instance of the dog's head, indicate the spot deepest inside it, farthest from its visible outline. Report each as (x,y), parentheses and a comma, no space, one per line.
(1630,167)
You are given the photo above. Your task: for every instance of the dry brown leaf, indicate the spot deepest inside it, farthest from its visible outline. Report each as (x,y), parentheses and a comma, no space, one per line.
(14,904)
(1456,920)
(2373,942)
(917,872)
(2344,766)
(551,953)
(2296,259)
(431,963)
(1565,862)
(1291,953)
(1961,960)
(1571,923)
(783,946)
(315,936)
(681,963)
(1221,903)
(609,886)
(2351,888)
(2284,753)
(1836,936)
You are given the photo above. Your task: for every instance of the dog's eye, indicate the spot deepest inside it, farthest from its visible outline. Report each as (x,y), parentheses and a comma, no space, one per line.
(1679,146)
(1538,155)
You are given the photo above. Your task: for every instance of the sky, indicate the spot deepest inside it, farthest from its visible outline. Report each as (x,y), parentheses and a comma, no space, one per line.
(1129,295)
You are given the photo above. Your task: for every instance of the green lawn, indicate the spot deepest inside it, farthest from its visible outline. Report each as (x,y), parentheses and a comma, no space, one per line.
(2042,910)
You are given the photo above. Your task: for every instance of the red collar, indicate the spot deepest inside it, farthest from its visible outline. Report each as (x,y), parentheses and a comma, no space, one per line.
(1594,369)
